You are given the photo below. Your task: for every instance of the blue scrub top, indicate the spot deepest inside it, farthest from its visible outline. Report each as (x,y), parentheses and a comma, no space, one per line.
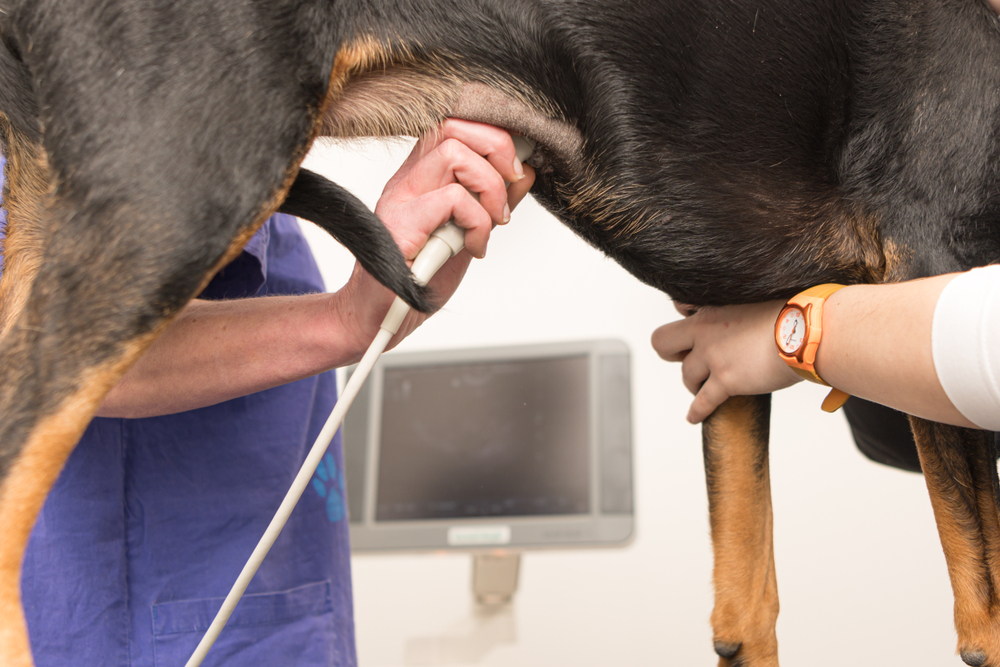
(152,520)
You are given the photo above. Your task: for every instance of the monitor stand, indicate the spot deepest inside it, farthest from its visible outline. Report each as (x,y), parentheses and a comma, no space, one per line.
(494,578)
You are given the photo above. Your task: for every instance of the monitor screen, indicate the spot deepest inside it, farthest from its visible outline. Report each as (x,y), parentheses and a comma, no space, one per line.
(513,440)
(527,446)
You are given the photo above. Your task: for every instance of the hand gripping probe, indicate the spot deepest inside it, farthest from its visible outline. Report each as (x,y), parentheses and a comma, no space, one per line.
(444,243)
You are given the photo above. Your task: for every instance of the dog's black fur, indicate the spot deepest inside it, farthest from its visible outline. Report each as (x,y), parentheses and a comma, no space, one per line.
(723,152)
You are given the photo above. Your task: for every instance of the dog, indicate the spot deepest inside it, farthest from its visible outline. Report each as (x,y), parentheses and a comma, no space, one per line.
(723,152)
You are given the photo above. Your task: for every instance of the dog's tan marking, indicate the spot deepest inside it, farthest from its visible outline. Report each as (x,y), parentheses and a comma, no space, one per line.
(402,101)
(739,489)
(27,190)
(385,90)
(897,261)
(30,478)
(853,240)
(376,90)
(607,203)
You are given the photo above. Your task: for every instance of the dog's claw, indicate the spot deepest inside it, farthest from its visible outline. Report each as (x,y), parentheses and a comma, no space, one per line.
(974,658)
(726,649)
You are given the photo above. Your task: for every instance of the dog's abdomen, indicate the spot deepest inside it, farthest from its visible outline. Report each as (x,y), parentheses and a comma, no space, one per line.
(721,152)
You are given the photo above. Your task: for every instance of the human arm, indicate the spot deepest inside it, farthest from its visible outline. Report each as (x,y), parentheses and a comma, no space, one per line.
(217,350)
(876,345)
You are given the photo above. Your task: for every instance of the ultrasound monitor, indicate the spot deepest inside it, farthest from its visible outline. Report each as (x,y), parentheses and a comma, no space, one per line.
(480,450)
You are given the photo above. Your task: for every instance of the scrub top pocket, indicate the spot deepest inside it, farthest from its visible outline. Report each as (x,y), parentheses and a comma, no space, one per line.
(285,628)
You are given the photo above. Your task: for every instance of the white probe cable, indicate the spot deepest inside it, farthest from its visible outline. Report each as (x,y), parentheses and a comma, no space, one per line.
(446,242)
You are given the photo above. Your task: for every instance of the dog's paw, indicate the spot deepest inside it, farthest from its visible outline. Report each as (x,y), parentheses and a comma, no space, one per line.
(746,653)
(726,649)
(974,658)
(329,483)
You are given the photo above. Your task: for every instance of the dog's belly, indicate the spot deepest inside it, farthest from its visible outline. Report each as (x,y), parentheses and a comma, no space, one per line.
(659,242)
(713,178)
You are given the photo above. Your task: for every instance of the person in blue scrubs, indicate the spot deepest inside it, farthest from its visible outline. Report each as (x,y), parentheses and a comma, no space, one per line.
(173,483)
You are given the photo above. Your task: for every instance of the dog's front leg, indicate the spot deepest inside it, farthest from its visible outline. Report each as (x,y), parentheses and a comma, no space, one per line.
(735,441)
(959,467)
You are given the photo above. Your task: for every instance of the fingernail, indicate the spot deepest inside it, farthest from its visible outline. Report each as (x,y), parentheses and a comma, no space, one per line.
(518,168)
(506,213)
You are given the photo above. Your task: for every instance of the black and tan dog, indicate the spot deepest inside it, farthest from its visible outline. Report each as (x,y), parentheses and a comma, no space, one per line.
(722,151)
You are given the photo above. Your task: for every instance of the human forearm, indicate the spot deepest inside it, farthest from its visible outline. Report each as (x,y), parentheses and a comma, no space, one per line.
(877,345)
(218,350)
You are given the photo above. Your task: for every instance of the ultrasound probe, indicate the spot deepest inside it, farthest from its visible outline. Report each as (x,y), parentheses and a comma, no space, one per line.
(444,243)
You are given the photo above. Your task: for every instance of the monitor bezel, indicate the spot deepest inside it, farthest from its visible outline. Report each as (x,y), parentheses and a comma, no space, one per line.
(598,527)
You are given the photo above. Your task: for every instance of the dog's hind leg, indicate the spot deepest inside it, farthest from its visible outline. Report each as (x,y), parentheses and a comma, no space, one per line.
(735,441)
(106,287)
(25,186)
(138,220)
(959,468)
(103,291)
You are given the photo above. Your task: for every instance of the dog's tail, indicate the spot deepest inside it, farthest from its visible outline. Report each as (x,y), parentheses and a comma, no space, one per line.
(349,221)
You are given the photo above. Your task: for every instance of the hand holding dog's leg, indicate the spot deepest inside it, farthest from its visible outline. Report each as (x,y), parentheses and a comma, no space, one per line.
(735,441)
(725,352)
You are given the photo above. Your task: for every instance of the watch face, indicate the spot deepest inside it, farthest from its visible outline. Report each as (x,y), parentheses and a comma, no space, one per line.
(791,330)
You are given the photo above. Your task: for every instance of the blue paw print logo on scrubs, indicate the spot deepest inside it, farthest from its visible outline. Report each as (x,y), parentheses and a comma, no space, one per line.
(329,484)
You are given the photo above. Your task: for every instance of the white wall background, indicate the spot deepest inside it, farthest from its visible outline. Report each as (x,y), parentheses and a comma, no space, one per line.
(861,577)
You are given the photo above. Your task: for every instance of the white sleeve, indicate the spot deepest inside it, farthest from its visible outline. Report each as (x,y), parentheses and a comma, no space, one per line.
(965,344)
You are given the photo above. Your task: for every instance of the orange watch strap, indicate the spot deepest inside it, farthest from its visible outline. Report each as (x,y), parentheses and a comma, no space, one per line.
(836,398)
(820,291)
(812,376)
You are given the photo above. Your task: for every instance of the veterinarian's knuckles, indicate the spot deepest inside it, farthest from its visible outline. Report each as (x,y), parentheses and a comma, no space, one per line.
(674,340)
(460,164)
(494,144)
(469,214)
(694,372)
(517,191)
(704,404)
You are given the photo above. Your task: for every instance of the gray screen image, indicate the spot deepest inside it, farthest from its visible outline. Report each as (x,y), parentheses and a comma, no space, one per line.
(513,441)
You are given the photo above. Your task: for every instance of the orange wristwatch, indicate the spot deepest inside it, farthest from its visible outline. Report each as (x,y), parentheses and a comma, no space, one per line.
(798,332)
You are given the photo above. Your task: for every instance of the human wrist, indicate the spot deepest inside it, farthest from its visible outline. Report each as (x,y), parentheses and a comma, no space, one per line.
(781,372)
(799,329)
(799,334)
(352,329)
(836,348)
